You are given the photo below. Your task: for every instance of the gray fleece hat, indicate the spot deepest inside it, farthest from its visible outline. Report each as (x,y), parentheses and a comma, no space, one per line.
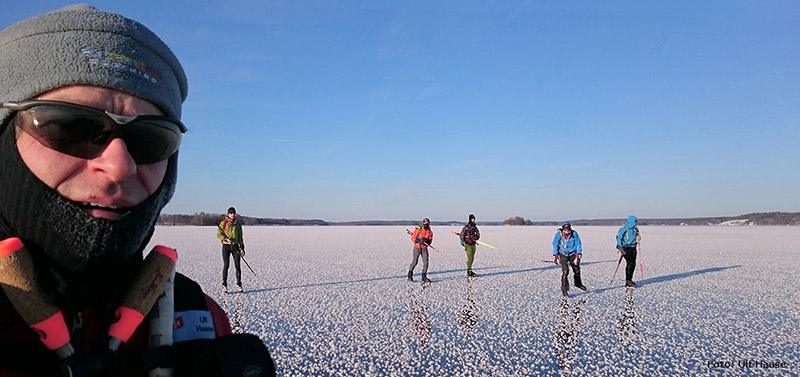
(79,44)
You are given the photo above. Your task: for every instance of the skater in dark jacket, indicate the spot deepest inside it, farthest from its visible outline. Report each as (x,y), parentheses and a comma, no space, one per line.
(628,238)
(90,103)
(469,235)
(567,252)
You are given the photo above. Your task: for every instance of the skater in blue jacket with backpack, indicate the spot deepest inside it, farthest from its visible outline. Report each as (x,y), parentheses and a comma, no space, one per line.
(627,239)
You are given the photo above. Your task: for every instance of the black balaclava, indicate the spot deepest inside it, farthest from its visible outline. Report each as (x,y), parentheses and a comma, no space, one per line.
(77,256)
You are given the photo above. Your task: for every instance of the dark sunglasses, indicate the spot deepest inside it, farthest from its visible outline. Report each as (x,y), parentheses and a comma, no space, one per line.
(84,132)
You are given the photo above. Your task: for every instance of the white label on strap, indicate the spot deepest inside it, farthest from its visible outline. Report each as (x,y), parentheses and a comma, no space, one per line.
(193,324)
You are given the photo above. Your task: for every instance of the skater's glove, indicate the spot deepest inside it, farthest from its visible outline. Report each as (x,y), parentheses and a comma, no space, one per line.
(556,259)
(241,249)
(577,260)
(621,249)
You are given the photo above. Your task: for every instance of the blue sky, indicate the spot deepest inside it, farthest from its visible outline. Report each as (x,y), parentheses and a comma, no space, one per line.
(550,110)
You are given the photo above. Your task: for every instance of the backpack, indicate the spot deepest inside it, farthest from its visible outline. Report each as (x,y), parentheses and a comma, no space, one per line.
(626,238)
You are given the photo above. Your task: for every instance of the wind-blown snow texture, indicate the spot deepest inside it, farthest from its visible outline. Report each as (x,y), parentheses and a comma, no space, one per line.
(334,301)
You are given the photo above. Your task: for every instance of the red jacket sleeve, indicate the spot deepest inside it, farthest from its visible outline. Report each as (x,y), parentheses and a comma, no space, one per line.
(222,325)
(414,235)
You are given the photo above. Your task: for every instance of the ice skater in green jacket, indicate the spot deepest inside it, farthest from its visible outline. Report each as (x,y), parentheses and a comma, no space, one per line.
(229,233)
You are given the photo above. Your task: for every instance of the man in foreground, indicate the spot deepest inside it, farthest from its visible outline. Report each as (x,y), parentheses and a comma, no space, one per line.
(89,134)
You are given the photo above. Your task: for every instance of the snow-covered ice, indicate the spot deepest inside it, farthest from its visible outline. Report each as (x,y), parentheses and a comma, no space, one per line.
(334,301)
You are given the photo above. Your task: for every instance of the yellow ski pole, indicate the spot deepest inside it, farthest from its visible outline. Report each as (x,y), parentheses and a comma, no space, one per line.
(480,242)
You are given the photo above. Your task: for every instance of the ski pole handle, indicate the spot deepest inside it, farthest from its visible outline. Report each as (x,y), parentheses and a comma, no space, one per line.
(18,279)
(148,284)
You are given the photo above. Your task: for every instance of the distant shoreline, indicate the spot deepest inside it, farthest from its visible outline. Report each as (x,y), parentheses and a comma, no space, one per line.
(751,219)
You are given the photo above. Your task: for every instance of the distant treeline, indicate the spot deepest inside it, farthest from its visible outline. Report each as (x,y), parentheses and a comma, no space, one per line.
(763,218)
(213,219)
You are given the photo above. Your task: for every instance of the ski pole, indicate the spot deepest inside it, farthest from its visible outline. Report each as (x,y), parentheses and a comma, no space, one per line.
(476,241)
(429,245)
(238,251)
(616,269)
(485,244)
(247,264)
(641,269)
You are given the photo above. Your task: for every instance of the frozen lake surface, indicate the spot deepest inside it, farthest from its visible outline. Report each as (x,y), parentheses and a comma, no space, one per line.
(334,301)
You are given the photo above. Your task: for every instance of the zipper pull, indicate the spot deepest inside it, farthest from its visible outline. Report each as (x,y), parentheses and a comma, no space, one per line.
(77,330)
(77,323)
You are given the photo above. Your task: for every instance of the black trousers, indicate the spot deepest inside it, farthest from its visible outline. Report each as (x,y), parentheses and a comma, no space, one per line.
(227,251)
(566,262)
(630,262)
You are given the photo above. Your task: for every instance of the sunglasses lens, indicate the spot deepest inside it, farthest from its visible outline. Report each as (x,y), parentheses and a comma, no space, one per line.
(67,130)
(85,132)
(153,140)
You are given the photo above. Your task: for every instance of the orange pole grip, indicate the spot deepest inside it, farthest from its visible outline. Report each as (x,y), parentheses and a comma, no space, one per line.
(18,279)
(139,299)
(53,331)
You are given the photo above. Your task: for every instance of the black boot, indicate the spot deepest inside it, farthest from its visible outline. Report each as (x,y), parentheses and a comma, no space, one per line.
(578,283)
(410,275)
(425,279)
(471,274)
